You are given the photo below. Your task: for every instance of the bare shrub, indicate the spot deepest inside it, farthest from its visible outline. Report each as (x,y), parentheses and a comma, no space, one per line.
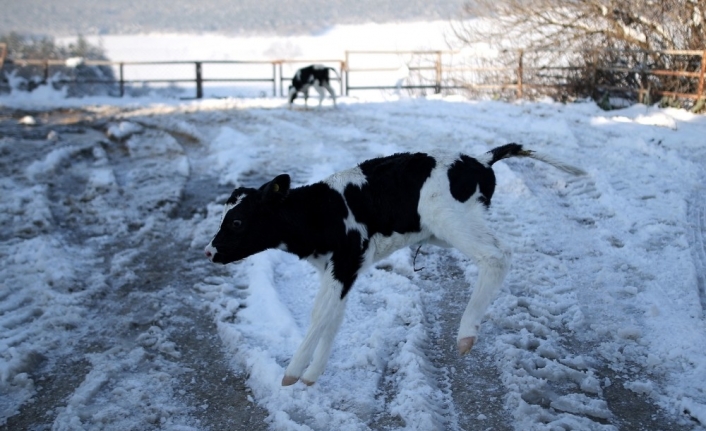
(588,36)
(74,79)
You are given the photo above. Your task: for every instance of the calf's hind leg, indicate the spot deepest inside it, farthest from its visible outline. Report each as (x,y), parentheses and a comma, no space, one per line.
(319,89)
(327,86)
(493,260)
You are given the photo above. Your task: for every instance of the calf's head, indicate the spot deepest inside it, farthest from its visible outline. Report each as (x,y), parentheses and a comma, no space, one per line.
(251,223)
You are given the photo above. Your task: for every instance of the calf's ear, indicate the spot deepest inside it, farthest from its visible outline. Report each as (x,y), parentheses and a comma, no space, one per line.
(277,189)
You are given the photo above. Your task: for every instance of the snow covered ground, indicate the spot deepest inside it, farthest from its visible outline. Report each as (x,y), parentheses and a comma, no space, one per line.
(112,319)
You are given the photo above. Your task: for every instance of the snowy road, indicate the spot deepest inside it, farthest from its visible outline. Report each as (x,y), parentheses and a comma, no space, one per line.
(111,319)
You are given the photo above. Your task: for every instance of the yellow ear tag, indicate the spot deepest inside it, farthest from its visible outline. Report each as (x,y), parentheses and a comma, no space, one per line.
(275,187)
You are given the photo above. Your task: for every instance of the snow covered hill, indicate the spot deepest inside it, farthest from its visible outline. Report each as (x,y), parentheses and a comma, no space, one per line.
(226,17)
(113,320)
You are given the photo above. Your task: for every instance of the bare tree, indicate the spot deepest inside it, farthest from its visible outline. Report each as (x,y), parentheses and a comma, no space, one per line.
(599,32)
(581,24)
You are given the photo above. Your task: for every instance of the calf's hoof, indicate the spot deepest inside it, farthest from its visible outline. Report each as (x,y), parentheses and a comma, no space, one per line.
(307,382)
(289,380)
(465,345)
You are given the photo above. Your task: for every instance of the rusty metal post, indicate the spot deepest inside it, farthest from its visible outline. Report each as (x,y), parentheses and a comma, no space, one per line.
(122,81)
(281,80)
(341,66)
(594,72)
(643,94)
(437,85)
(46,72)
(519,73)
(3,53)
(199,81)
(274,79)
(347,64)
(700,93)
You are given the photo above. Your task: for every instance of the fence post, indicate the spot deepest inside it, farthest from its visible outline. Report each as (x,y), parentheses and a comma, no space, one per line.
(701,75)
(341,66)
(199,81)
(274,79)
(643,94)
(3,53)
(347,64)
(46,72)
(437,86)
(519,74)
(594,72)
(122,81)
(281,80)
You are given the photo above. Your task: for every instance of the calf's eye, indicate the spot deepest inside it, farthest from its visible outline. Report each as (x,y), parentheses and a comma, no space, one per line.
(236,223)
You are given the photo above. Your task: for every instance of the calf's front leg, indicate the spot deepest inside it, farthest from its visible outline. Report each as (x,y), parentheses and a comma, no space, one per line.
(326,318)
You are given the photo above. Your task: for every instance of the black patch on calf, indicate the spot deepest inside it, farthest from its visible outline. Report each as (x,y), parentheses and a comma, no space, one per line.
(348,259)
(315,217)
(466,175)
(388,201)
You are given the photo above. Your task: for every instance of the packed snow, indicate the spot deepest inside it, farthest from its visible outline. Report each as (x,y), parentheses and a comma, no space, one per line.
(112,318)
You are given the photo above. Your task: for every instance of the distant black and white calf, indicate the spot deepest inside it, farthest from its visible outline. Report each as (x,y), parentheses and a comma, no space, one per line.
(316,76)
(354,218)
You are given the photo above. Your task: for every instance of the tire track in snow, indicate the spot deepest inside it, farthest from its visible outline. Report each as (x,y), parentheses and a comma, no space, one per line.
(414,387)
(612,363)
(697,216)
(471,383)
(128,338)
(549,385)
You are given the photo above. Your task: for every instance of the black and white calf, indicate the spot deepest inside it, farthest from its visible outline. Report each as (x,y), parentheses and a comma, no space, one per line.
(345,223)
(315,76)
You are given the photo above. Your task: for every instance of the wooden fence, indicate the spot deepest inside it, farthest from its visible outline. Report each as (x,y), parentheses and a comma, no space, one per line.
(443,72)
(275,77)
(436,71)
(644,89)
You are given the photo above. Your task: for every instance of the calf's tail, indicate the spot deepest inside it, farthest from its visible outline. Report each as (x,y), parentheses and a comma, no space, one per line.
(334,72)
(516,150)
